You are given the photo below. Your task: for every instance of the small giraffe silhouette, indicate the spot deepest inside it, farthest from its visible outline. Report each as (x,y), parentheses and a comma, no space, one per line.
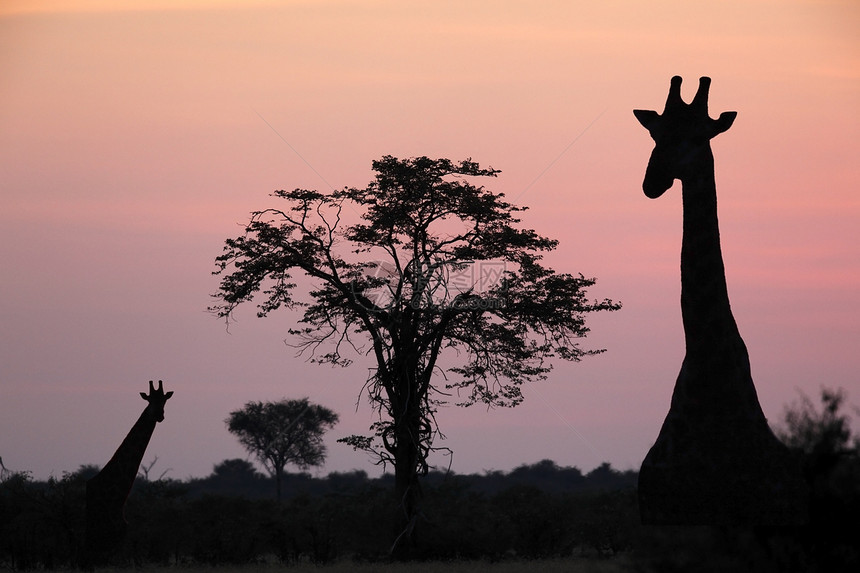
(108,490)
(715,461)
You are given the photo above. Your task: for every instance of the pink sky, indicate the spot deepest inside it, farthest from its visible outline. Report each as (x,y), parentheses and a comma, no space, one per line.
(134,141)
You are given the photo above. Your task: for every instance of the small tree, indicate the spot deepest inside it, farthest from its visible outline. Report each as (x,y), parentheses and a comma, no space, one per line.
(831,462)
(435,263)
(281,433)
(824,438)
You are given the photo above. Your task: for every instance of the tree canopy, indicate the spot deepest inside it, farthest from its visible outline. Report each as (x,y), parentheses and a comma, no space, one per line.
(824,437)
(281,433)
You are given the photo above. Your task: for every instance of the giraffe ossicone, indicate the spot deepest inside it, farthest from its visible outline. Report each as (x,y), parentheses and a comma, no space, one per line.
(157,399)
(716,460)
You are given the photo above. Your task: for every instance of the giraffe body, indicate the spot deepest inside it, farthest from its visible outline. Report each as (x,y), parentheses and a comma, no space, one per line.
(108,490)
(716,460)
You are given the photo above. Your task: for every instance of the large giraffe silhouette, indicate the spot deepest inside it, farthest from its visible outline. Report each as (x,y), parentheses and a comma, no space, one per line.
(108,490)
(715,461)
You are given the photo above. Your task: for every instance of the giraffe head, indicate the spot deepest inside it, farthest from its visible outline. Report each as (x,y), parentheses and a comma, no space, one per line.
(682,136)
(156,399)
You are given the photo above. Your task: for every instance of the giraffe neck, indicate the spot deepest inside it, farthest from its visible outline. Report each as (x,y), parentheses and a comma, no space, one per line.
(705,308)
(123,466)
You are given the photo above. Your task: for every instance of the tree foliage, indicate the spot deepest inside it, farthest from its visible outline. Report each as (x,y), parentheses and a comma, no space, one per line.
(281,433)
(433,264)
(818,434)
(830,457)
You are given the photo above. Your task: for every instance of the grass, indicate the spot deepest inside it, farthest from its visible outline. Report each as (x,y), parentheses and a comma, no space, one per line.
(568,565)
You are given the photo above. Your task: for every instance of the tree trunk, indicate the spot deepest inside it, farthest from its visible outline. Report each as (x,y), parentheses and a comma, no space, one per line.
(406,485)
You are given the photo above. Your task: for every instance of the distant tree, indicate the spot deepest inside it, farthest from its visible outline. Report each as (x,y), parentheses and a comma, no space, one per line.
(146,469)
(823,437)
(235,469)
(235,477)
(281,433)
(831,464)
(434,263)
(85,472)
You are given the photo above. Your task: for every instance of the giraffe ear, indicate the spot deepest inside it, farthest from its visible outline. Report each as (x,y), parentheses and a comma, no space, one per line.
(168,395)
(647,117)
(724,122)
(144,396)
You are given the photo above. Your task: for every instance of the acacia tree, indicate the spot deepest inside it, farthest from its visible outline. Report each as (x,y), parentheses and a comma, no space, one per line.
(433,263)
(281,433)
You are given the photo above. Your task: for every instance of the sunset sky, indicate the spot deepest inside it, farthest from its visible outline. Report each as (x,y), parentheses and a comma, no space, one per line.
(136,136)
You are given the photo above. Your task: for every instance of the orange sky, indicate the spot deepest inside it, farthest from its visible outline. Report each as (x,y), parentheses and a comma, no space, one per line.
(136,136)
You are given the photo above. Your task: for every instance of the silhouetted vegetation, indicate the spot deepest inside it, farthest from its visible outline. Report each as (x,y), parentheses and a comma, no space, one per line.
(535,511)
(231,517)
(281,433)
(831,466)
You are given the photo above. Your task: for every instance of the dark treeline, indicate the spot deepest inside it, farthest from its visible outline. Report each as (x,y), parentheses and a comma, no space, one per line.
(232,516)
(534,511)
(239,477)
